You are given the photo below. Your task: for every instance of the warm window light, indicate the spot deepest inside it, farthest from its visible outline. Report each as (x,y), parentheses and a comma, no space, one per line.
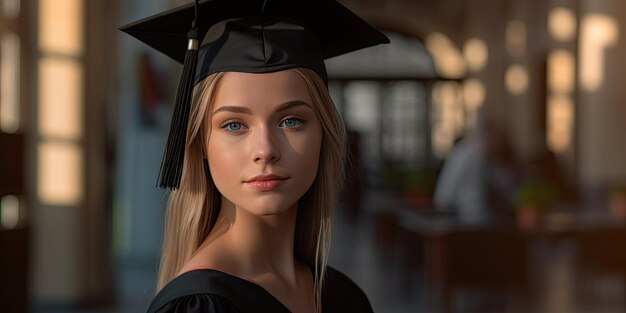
(9,212)
(476,54)
(60,26)
(562,24)
(448,59)
(60,173)
(450,117)
(516,79)
(9,83)
(11,8)
(516,38)
(561,71)
(560,119)
(473,93)
(598,33)
(60,83)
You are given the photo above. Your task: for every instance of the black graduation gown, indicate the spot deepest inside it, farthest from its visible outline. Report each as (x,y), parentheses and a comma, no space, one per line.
(213,291)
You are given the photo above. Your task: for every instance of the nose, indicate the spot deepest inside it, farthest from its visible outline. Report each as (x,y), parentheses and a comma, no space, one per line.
(265,147)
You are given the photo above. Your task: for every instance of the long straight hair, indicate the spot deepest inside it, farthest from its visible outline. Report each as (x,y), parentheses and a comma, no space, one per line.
(192,210)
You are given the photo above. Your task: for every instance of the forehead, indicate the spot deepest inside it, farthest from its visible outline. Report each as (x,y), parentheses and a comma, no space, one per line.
(247,89)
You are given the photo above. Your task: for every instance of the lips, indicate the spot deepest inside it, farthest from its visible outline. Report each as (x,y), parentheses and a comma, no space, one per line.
(266,182)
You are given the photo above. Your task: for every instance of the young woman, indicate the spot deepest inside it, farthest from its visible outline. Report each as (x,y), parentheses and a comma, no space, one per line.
(248,226)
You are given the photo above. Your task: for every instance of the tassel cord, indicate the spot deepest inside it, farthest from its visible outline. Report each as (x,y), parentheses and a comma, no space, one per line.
(173,159)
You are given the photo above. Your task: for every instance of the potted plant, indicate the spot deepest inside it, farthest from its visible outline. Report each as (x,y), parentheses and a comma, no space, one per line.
(533,199)
(419,185)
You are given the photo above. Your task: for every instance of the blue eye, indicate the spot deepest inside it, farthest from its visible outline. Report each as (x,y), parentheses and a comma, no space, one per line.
(291,122)
(233,127)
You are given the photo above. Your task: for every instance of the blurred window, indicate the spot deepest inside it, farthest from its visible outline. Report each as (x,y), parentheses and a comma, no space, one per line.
(60,102)
(10,66)
(9,82)
(405,104)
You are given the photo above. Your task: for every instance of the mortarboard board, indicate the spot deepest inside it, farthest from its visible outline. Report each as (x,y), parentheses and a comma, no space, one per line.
(254,36)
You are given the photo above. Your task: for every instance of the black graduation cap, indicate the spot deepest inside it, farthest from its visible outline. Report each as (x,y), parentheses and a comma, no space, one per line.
(254,36)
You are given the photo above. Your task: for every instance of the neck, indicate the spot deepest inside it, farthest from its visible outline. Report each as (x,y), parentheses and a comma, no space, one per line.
(259,244)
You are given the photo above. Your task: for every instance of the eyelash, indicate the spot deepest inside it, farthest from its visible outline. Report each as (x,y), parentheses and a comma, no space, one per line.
(230,122)
(299,120)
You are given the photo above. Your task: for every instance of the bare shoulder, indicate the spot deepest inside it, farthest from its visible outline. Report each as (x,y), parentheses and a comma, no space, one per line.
(209,255)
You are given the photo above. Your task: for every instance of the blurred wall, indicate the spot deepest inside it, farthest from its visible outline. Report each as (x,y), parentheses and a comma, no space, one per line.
(138,203)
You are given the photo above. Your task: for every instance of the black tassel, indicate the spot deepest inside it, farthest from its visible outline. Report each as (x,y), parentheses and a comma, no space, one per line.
(172,163)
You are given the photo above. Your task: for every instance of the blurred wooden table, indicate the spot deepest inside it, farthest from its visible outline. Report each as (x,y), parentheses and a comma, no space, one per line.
(496,256)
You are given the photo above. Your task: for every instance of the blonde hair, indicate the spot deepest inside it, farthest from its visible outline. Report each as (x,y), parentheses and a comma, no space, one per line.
(193,209)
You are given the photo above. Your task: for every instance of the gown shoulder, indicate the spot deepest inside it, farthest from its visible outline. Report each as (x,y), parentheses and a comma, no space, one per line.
(198,303)
(341,294)
(213,291)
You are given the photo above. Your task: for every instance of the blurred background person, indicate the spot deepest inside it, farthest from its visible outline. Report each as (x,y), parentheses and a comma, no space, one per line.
(462,184)
(478,179)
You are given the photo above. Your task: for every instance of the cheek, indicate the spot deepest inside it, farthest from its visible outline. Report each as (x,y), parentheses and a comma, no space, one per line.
(308,156)
(222,158)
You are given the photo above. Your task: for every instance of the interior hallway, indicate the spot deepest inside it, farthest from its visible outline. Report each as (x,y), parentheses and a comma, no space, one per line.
(390,289)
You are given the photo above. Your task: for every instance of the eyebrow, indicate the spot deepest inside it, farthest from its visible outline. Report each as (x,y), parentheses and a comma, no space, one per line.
(282,107)
(292,104)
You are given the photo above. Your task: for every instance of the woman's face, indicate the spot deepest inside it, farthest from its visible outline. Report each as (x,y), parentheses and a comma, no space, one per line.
(264,141)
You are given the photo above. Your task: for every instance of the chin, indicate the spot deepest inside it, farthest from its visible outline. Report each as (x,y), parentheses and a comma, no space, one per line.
(270,205)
